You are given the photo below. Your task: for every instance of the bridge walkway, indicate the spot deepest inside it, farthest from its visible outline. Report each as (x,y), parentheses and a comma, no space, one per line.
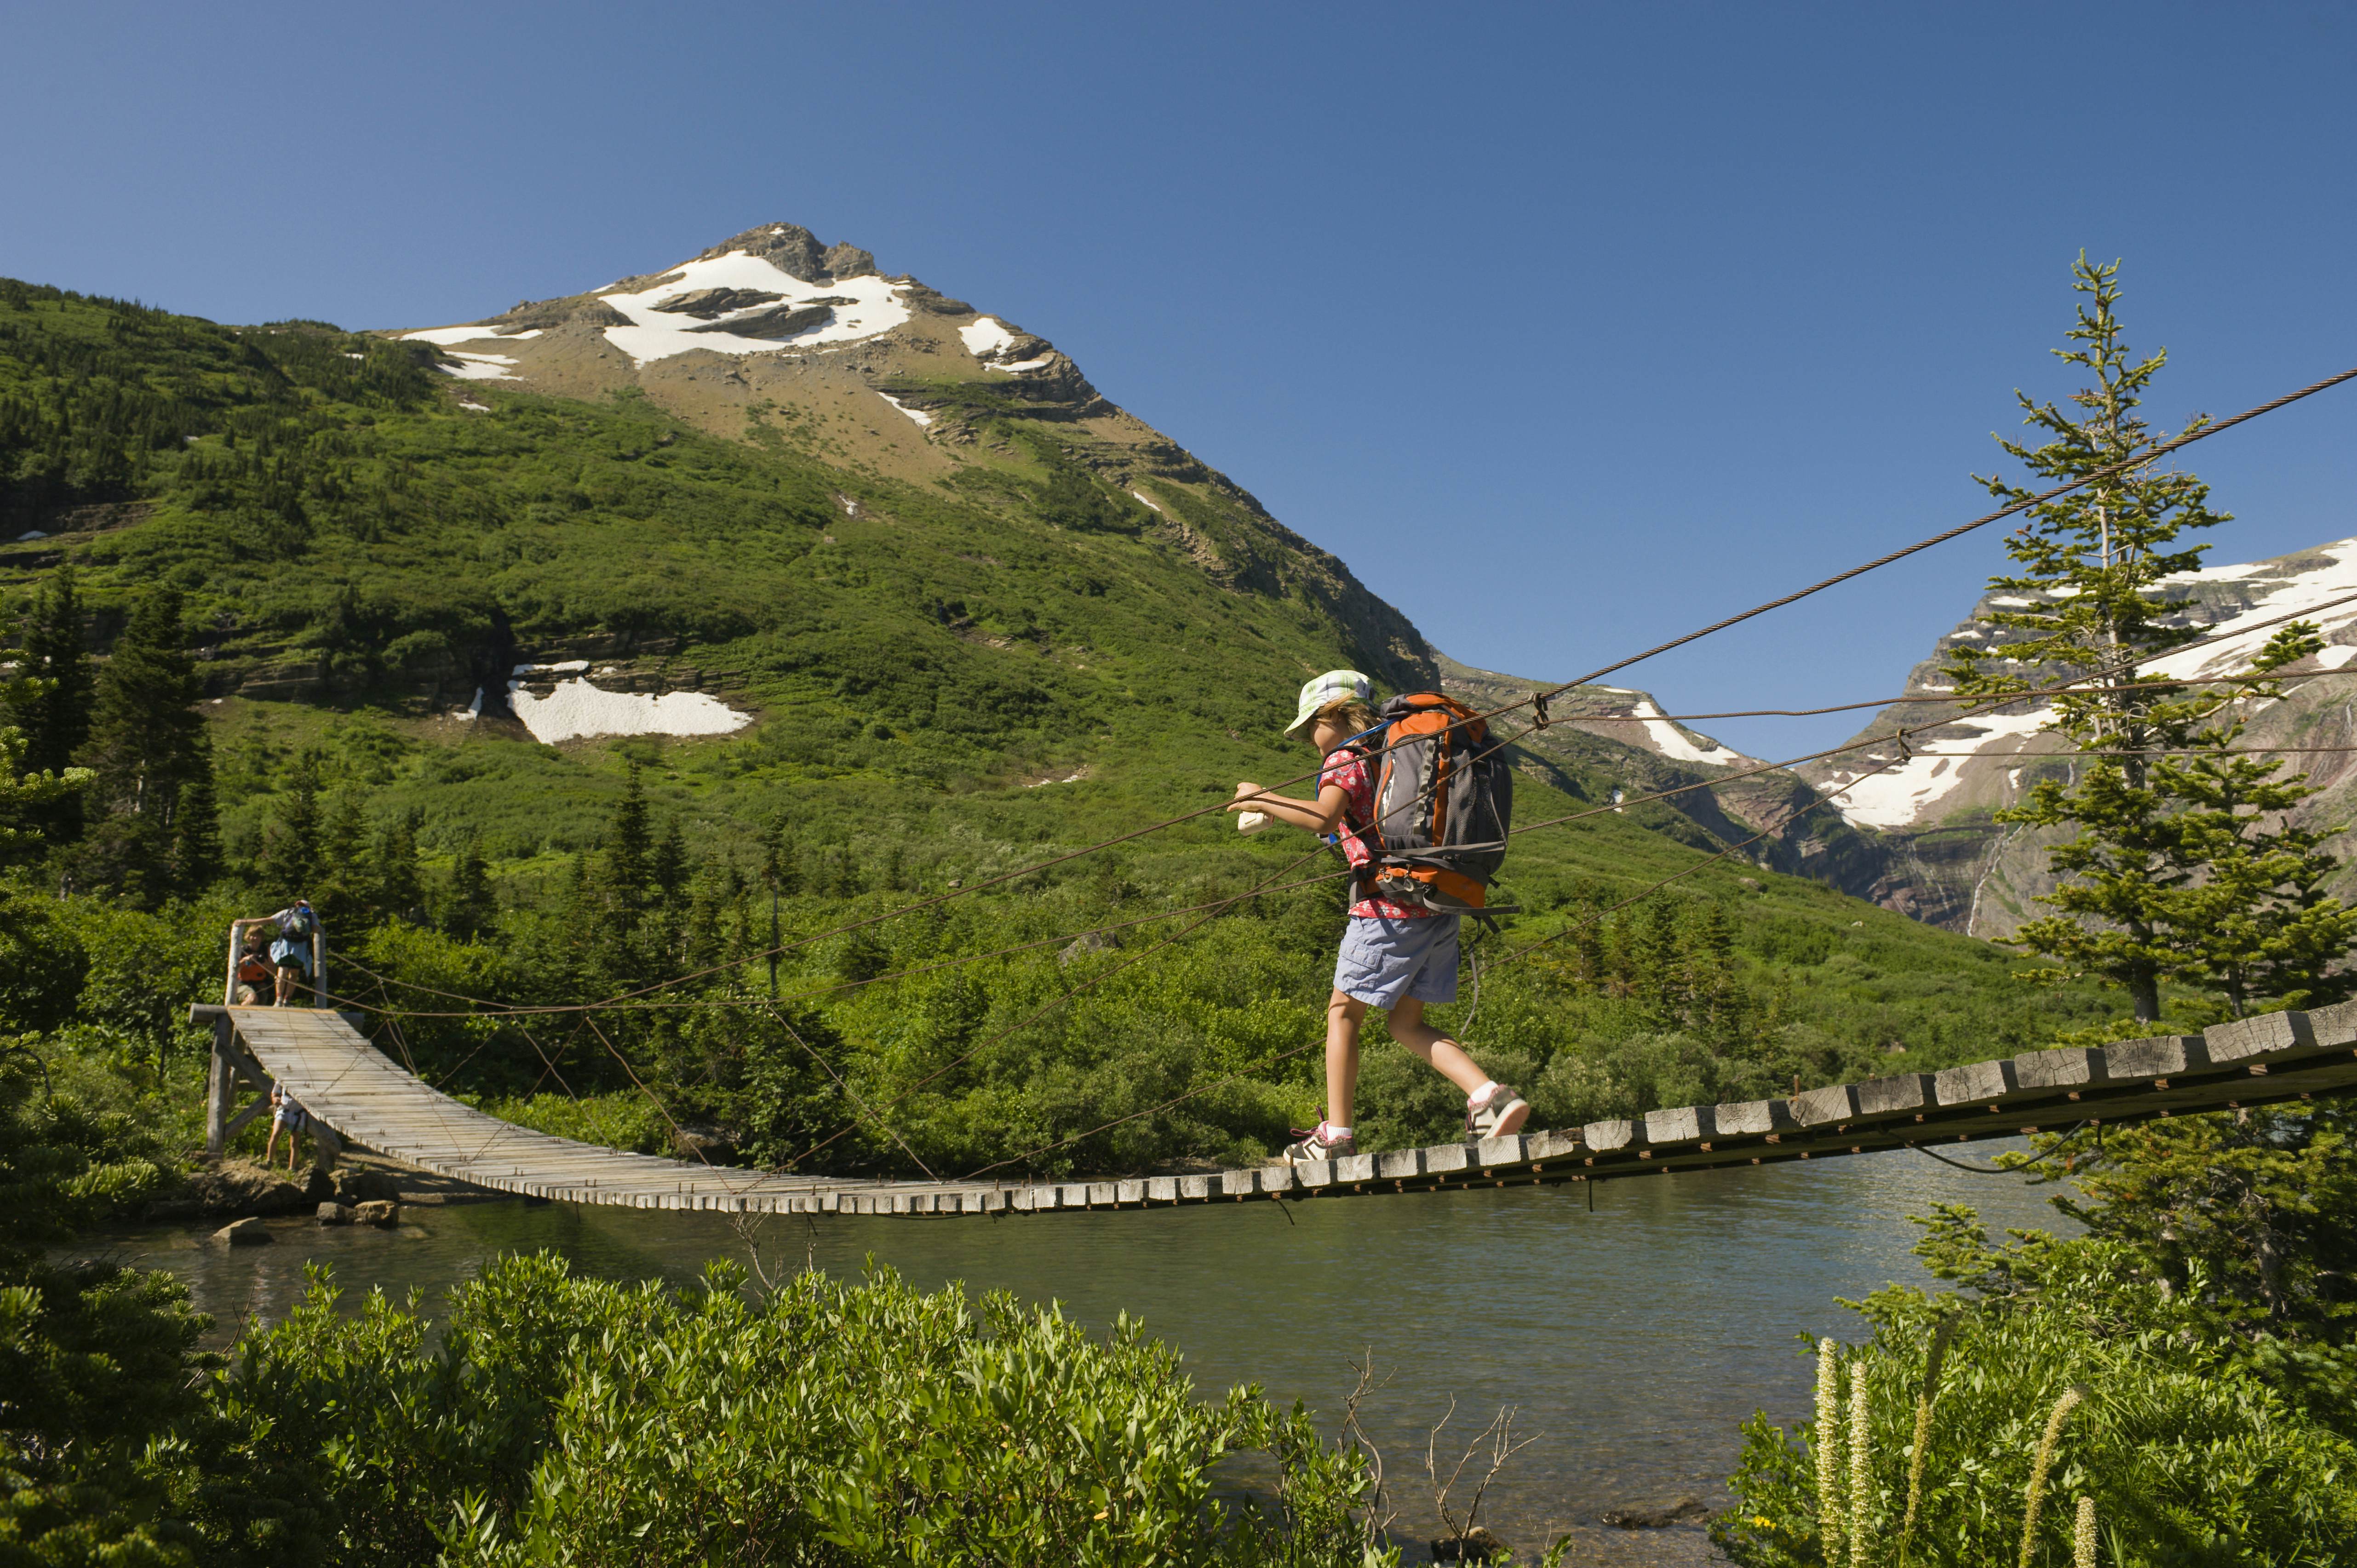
(359,1096)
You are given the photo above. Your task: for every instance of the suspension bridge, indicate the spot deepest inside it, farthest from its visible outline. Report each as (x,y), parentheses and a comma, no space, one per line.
(358,1098)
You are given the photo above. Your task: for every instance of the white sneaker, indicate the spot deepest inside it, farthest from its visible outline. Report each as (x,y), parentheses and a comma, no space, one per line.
(1501,1115)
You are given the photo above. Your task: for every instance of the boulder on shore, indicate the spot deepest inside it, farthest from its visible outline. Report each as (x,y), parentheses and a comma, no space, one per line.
(356,1184)
(231,1186)
(379,1213)
(337,1214)
(246,1232)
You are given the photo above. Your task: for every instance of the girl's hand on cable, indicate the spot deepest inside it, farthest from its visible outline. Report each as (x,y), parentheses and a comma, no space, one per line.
(1248,798)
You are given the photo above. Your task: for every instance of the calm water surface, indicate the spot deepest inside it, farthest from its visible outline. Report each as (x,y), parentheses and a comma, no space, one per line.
(1632,1339)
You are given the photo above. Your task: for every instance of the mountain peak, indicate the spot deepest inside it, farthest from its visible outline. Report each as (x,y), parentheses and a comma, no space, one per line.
(795,250)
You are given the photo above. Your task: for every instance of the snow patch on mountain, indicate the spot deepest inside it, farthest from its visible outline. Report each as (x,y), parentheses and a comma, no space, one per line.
(479,367)
(1896,796)
(919,415)
(444,336)
(986,337)
(575,710)
(1672,742)
(2301,587)
(871,304)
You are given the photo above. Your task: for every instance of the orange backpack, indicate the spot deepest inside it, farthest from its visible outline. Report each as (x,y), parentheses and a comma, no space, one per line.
(1444,802)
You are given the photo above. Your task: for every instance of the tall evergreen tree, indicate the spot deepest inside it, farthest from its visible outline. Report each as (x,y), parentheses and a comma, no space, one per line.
(57,719)
(196,827)
(469,906)
(145,745)
(2085,607)
(295,853)
(400,892)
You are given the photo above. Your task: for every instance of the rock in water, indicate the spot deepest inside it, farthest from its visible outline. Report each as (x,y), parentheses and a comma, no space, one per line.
(382,1215)
(1678,1512)
(337,1214)
(1476,1545)
(246,1232)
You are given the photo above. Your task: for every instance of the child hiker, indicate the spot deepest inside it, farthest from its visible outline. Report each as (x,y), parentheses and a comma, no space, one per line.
(1398,957)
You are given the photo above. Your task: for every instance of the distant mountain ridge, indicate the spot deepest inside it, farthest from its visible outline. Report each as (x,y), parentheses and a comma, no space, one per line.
(1932,812)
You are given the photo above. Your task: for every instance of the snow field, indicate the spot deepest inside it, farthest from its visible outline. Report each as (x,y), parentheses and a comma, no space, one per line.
(1896,797)
(576,710)
(442,336)
(658,334)
(922,418)
(986,337)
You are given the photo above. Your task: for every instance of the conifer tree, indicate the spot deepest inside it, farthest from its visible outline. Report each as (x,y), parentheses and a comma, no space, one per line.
(629,857)
(2162,867)
(296,842)
(469,906)
(145,745)
(196,827)
(400,890)
(57,719)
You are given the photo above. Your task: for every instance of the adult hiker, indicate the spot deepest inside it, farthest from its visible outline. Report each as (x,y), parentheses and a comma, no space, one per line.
(291,951)
(286,1114)
(1400,949)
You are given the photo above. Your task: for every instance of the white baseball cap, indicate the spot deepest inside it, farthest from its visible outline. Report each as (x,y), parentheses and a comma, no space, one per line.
(1334,686)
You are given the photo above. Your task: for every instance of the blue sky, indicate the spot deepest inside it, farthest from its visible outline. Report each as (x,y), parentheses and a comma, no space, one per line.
(1568,328)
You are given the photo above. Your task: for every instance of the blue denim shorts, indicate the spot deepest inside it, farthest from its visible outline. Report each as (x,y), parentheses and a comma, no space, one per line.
(1384,963)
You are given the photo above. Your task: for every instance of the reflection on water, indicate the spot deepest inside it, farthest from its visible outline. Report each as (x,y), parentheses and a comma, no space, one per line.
(1635,1338)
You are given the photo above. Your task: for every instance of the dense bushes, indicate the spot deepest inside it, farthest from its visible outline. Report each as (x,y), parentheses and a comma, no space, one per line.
(2208,1317)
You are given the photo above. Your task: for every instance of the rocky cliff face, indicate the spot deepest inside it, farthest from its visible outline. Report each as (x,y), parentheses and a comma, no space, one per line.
(1930,814)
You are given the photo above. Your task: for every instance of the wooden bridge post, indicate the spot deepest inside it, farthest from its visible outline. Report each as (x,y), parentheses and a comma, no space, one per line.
(220,1089)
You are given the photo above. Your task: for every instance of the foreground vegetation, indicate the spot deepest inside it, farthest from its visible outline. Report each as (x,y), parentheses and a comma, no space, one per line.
(558,1419)
(2187,1366)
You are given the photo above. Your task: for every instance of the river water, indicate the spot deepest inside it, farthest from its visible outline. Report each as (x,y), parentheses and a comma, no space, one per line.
(1630,1341)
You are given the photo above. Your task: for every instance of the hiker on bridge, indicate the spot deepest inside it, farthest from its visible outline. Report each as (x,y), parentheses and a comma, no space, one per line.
(292,949)
(1400,949)
(254,971)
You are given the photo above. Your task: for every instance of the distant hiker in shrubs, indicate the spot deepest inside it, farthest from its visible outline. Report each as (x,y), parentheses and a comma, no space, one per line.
(292,949)
(255,973)
(288,1115)
(1420,797)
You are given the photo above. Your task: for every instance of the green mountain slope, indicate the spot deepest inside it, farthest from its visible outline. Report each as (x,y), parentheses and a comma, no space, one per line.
(956,648)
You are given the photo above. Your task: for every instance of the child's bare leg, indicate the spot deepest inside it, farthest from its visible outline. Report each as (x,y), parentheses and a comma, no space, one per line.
(1343,1016)
(1408,1028)
(270,1147)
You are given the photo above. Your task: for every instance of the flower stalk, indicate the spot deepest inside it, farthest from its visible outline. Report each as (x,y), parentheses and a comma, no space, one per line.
(2071,1400)
(1829,1450)
(1861,1504)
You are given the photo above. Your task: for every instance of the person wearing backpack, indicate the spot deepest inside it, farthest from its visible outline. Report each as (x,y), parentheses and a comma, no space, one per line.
(255,973)
(1418,799)
(292,949)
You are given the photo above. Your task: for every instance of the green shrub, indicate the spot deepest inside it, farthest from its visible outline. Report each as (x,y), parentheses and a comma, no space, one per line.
(570,1419)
